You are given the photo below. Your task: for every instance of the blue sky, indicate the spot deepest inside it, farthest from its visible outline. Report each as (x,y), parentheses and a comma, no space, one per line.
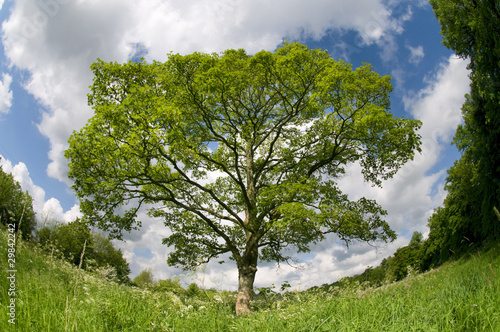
(49,45)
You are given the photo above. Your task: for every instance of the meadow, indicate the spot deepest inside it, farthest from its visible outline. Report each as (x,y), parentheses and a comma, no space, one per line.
(53,295)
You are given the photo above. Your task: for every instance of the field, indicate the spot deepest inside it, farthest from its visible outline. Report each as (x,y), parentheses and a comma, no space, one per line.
(52,295)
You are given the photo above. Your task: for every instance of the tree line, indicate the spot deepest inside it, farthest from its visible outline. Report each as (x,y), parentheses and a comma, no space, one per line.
(469,215)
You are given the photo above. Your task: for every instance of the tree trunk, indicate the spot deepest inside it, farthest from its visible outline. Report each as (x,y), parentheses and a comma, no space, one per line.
(247,264)
(246,277)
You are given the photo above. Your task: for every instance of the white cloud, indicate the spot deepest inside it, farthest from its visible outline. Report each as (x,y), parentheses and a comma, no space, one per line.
(5,93)
(416,54)
(254,25)
(57,45)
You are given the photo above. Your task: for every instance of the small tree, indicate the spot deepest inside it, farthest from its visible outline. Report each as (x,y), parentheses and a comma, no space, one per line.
(144,279)
(105,254)
(70,240)
(193,290)
(172,285)
(416,240)
(239,154)
(16,206)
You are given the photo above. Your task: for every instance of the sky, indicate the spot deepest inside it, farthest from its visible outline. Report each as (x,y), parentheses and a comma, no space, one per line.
(48,47)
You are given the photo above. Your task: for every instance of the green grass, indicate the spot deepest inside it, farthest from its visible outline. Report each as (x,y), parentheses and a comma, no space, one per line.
(54,296)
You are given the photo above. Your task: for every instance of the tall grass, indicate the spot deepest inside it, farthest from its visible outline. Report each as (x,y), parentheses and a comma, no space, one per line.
(53,295)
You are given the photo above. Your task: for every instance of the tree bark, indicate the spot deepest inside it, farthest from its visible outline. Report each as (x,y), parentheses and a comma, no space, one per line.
(246,277)
(247,268)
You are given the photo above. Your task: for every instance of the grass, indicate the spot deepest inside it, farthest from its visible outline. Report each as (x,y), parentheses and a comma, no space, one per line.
(52,295)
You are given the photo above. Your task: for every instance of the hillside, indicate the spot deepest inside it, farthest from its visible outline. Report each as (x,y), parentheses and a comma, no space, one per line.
(52,295)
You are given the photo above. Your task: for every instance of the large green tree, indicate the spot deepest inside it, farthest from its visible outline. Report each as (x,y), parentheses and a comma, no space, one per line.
(472,29)
(238,154)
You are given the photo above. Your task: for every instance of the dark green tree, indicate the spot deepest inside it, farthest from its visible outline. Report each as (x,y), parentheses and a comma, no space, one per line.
(436,247)
(193,290)
(416,240)
(70,239)
(239,154)
(457,225)
(472,29)
(105,254)
(403,258)
(16,206)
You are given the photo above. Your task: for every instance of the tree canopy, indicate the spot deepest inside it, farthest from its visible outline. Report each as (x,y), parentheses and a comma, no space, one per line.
(238,154)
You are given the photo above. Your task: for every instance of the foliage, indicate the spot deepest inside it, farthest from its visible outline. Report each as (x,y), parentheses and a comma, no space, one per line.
(406,259)
(16,206)
(172,285)
(104,254)
(238,154)
(399,263)
(69,241)
(472,29)
(193,290)
(145,279)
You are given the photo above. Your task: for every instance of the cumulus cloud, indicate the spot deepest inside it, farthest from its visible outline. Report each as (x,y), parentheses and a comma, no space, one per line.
(56,44)
(438,106)
(416,54)
(5,93)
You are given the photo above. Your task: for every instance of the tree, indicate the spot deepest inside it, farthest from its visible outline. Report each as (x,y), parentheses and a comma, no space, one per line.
(416,240)
(70,239)
(404,257)
(238,154)
(193,290)
(472,29)
(16,206)
(105,254)
(144,279)
(172,285)
(456,226)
